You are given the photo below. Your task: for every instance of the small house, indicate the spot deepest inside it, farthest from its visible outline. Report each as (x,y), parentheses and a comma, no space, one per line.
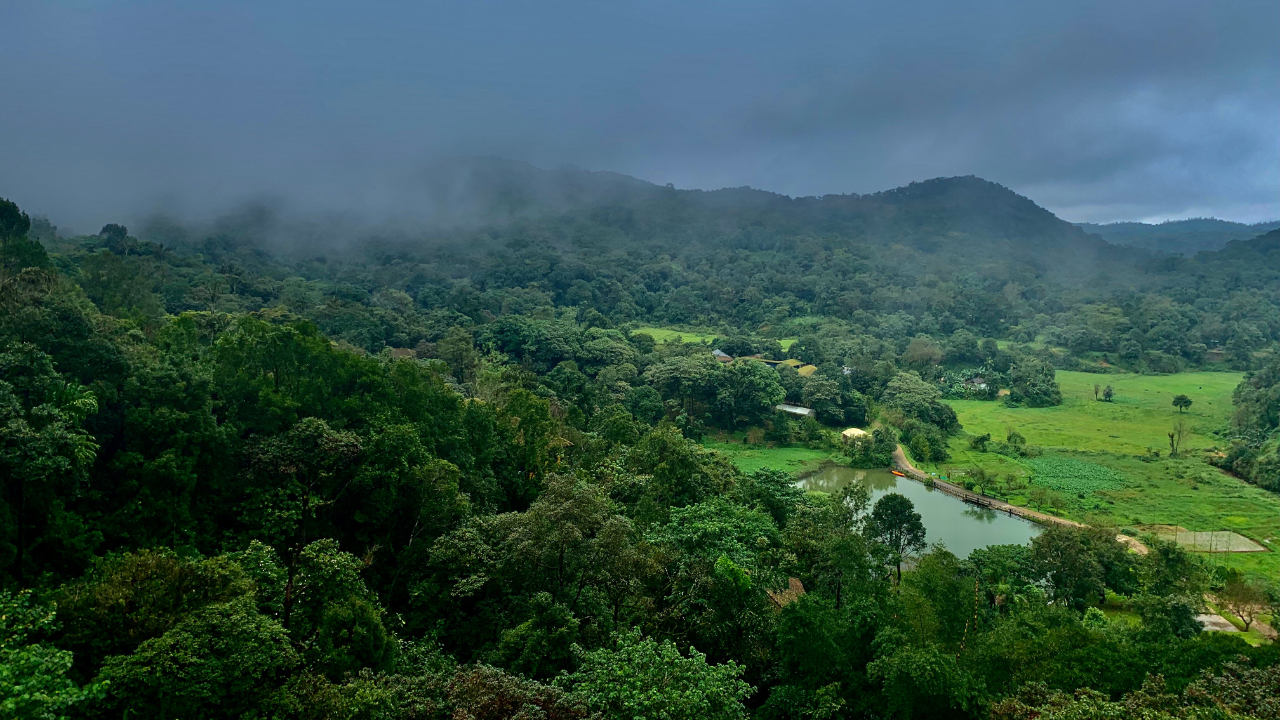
(722,357)
(807,370)
(795,410)
(976,383)
(791,363)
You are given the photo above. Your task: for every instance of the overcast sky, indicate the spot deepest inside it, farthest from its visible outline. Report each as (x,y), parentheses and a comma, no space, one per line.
(1099,111)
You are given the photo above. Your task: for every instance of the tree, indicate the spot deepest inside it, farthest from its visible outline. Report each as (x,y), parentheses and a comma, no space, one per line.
(1034,383)
(922,352)
(222,661)
(44,457)
(16,250)
(1068,567)
(487,693)
(920,400)
(924,682)
(1108,393)
(895,523)
(1097,389)
(746,392)
(1177,436)
(1182,402)
(33,676)
(639,677)
(1243,599)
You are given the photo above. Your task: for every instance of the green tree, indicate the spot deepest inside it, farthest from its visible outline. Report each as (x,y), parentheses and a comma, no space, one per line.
(45,454)
(923,682)
(16,250)
(33,675)
(920,400)
(639,677)
(745,393)
(1182,402)
(1108,393)
(895,524)
(222,661)
(133,597)
(1033,383)
(1072,573)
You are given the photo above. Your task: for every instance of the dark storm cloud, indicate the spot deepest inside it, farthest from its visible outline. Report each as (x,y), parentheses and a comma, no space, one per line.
(1099,111)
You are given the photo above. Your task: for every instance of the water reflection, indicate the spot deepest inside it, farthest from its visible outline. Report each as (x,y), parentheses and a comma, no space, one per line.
(961,527)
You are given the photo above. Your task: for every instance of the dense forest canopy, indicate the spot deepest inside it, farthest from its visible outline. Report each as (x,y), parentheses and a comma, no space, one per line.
(440,474)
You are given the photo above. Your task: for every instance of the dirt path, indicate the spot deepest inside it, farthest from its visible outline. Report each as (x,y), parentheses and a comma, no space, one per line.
(900,461)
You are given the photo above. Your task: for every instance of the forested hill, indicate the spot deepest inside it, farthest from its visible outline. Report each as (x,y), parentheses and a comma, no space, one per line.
(923,214)
(1179,237)
(930,259)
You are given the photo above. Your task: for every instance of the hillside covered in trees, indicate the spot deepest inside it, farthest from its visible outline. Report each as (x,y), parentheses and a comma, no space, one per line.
(254,473)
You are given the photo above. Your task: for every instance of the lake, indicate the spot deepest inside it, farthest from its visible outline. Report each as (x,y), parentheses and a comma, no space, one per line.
(961,527)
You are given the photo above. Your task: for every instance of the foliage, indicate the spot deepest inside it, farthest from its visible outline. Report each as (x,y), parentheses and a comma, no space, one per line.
(33,675)
(1073,476)
(639,677)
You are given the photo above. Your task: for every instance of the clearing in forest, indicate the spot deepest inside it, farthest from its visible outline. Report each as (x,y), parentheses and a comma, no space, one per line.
(1139,416)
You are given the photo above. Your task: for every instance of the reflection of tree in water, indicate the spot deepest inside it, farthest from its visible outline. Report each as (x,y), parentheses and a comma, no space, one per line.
(831,478)
(981,514)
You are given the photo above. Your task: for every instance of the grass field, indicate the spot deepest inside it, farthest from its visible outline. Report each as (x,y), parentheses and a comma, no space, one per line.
(1095,467)
(749,458)
(1139,417)
(663,335)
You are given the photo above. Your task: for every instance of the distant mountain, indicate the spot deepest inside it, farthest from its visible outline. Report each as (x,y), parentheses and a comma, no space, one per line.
(1179,237)
(927,215)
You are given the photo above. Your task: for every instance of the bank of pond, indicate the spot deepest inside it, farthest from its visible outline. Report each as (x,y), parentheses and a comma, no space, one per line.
(961,527)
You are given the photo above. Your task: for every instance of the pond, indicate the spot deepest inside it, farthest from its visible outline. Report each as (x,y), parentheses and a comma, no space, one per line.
(961,527)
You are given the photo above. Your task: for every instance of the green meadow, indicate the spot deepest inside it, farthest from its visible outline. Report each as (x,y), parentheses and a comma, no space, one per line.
(1139,417)
(1096,467)
(749,458)
(663,335)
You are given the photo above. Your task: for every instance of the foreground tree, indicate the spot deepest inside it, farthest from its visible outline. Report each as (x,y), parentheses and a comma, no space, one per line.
(1243,599)
(1182,402)
(640,677)
(895,523)
(33,676)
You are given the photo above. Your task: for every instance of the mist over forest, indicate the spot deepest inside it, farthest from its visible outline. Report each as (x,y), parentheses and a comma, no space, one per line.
(574,361)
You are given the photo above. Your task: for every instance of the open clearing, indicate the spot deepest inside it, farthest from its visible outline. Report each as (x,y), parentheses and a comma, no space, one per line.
(1139,417)
(1096,469)
(663,335)
(749,458)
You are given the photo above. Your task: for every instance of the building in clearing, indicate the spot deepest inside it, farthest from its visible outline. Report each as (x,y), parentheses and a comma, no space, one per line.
(852,433)
(722,357)
(807,370)
(792,362)
(795,410)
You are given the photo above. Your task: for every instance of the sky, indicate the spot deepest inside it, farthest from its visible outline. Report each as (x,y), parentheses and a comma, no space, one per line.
(1099,111)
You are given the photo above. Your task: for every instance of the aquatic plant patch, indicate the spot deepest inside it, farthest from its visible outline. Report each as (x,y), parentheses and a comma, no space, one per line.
(1073,476)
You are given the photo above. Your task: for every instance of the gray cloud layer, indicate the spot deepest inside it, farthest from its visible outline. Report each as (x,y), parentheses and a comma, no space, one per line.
(1098,110)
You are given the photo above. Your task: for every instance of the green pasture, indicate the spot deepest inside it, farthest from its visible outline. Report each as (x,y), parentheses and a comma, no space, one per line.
(1096,468)
(663,335)
(1139,417)
(749,458)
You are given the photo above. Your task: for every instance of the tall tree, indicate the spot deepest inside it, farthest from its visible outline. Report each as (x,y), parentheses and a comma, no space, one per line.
(895,523)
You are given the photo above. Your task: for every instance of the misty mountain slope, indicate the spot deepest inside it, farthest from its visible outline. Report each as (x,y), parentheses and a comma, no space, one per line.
(939,225)
(1179,237)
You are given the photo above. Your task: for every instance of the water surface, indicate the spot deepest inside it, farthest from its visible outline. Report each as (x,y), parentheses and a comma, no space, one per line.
(961,527)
